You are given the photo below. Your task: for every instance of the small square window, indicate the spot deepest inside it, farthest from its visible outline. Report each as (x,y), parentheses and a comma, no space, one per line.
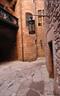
(33,1)
(40,14)
(39,24)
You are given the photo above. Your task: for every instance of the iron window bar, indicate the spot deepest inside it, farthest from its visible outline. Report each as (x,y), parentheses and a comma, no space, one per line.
(42,15)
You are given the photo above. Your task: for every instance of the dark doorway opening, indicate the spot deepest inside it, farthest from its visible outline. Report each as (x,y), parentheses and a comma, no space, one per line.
(51,57)
(8,35)
(7,48)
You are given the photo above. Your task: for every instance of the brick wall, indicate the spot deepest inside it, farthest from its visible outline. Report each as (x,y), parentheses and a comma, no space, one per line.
(53,27)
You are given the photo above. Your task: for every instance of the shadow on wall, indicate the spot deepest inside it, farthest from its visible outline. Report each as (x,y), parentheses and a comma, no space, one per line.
(51,58)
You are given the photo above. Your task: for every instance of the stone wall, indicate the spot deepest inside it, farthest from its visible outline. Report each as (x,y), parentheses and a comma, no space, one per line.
(53,26)
(28,45)
(39,5)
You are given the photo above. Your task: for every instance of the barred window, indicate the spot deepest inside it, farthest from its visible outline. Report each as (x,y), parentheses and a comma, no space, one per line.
(40,14)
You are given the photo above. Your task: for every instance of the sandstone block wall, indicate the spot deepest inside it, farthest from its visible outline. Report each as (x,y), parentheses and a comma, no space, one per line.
(53,26)
(39,5)
(28,45)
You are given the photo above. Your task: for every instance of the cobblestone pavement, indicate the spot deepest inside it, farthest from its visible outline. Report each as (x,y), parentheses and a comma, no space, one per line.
(25,79)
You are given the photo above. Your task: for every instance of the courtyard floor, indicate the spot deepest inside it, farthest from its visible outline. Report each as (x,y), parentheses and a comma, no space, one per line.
(25,79)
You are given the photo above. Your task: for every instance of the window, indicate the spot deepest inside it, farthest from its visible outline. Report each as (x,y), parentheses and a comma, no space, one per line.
(40,14)
(33,1)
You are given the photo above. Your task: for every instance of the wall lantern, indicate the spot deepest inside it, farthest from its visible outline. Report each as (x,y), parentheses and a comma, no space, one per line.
(31,25)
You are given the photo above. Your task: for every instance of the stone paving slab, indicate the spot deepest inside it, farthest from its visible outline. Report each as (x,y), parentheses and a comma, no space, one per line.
(32,93)
(25,79)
